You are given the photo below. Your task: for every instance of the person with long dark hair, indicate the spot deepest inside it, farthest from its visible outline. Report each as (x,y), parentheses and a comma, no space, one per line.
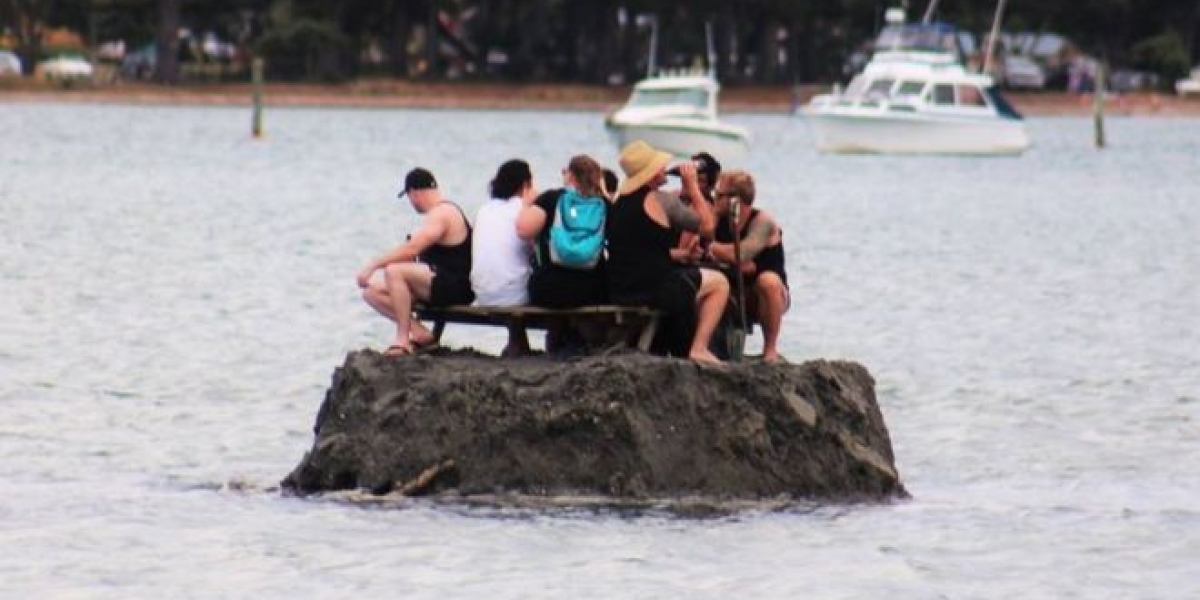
(500,260)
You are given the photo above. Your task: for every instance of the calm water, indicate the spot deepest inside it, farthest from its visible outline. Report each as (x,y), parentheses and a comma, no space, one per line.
(175,296)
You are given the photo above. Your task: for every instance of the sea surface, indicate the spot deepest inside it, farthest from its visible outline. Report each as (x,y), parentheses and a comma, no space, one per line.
(174,297)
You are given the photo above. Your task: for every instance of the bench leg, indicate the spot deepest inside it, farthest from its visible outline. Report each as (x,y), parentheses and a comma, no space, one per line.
(518,339)
(439,326)
(646,337)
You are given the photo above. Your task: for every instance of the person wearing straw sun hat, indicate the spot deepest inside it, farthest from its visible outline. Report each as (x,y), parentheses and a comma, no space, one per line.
(640,238)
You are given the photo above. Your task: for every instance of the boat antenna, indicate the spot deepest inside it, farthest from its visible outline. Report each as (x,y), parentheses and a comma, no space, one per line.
(650,66)
(711,51)
(929,12)
(991,46)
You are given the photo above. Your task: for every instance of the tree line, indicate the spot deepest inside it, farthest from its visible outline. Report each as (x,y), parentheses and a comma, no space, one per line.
(586,41)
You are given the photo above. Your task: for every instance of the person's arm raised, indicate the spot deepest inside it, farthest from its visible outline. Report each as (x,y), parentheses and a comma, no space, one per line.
(691,185)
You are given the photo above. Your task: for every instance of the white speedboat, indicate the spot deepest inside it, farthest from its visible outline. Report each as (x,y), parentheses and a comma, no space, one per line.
(915,97)
(1191,85)
(677,113)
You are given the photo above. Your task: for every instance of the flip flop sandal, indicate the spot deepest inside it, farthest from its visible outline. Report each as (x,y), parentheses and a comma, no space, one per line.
(398,350)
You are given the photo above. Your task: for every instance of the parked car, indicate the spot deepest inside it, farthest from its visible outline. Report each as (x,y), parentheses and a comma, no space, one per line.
(66,68)
(140,63)
(1021,72)
(1191,85)
(10,64)
(1129,80)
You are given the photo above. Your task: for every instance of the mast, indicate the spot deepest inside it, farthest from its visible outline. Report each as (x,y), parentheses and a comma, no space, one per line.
(991,46)
(929,12)
(653,46)
(710,49)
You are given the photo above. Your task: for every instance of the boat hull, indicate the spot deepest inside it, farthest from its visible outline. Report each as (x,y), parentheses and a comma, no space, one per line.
(914,133)
(727,145)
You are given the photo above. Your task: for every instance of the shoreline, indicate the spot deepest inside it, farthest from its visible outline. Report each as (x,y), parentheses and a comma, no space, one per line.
(386,93)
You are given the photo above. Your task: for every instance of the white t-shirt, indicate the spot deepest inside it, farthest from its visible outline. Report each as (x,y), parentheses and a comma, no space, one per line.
(499,259)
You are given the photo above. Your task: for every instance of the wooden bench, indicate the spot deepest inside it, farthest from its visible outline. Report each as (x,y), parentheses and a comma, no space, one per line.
(643,320)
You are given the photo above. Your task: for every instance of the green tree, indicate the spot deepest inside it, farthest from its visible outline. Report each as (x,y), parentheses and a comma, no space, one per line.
(27,19)
(1164,54)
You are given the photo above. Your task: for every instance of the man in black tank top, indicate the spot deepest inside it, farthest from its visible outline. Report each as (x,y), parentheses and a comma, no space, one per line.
(767,295)
(433,266)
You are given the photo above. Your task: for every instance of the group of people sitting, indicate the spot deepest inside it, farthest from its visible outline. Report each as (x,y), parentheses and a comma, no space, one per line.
(676,251)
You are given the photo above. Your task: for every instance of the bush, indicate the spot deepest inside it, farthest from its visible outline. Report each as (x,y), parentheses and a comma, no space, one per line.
(304,49)
(1164,54)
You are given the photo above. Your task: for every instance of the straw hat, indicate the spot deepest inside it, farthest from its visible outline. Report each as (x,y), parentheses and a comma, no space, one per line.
(641,163)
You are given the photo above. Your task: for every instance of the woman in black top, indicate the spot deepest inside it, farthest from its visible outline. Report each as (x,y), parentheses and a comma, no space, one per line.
(550,285)
(640,238)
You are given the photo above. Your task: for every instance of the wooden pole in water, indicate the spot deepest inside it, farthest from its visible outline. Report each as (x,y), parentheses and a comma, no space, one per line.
(256,80)
(991,45)
(1098,104)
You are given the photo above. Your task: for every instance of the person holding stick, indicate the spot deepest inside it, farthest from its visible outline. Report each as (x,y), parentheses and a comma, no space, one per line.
(758,255)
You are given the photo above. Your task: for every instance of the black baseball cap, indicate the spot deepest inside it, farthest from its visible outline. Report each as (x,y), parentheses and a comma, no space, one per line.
(418,179)
(708,165)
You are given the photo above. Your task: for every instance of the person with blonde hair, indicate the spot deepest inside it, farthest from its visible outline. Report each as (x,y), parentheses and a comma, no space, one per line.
(640,239)
(552,285)
(767,296)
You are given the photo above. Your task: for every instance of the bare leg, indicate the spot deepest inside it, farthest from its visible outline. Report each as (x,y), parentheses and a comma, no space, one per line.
(393,297)
(419,333)
(710,304)
(772,302)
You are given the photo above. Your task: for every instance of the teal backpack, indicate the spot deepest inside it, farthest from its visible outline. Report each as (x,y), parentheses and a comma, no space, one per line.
(577,234)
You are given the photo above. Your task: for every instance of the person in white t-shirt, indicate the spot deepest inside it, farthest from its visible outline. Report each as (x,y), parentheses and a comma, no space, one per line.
(500,263)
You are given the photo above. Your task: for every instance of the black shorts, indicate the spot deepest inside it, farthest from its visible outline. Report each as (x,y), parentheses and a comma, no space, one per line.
(679,288)
(448,290)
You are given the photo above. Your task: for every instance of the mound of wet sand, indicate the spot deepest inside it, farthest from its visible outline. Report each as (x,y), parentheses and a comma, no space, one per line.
(462,425)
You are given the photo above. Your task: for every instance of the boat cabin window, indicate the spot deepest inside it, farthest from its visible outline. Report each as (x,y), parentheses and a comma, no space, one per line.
(910,88)
(942,94)
(670,97)
(880,88)
(969,95)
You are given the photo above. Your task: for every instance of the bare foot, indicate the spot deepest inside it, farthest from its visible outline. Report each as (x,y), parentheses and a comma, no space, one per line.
(772,358)
(704,356)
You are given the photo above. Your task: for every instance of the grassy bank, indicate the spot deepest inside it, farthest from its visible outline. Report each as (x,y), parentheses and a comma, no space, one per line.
(407,94)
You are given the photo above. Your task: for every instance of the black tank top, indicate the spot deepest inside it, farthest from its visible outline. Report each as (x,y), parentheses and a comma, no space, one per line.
(639,251)
(450,259)
(770,258)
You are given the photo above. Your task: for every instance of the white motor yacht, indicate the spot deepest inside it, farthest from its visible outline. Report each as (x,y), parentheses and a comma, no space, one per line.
(677,113)
(1191,85)
(915,97)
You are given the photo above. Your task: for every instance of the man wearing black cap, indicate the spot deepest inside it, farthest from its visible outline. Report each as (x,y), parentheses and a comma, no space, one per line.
(433,266)
(688,248)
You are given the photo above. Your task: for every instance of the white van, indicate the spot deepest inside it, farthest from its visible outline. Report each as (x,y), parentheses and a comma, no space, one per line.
(10,64)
